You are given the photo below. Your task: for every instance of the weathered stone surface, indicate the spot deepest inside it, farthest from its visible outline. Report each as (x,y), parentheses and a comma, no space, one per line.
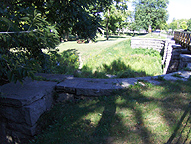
(22,105)
(173,66)
(124,82)
(176,46)
(19,95)
(88,86)
(22,128)
(185,57)
(2,132)
(188,66)
(12,114)
(33,112)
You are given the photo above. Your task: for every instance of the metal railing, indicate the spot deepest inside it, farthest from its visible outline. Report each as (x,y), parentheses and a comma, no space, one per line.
(183,38)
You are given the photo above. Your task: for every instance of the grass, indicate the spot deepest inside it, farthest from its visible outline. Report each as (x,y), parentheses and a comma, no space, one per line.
(152,35)
(114,57)
(140,114)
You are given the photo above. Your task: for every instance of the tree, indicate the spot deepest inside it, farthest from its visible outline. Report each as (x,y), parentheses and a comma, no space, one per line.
(80,17)
(150,12)
(29,26)
(173,25)
(183,25)
(189,25)
(115,16)
(178,24)
(24,34)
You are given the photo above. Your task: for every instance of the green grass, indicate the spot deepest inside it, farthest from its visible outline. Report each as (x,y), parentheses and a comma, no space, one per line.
(152,35)
(140,114)
(114,57)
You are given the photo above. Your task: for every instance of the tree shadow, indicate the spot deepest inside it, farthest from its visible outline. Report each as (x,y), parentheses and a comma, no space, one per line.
(121,117)
(117,69)
(175,133)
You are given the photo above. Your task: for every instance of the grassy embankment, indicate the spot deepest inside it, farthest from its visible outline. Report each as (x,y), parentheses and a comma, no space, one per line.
(114,57)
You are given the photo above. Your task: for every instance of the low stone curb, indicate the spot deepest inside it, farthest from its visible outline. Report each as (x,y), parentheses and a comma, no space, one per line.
(22,105)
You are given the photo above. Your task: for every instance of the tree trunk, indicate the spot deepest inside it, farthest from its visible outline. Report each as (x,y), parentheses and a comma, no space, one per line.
(107,29)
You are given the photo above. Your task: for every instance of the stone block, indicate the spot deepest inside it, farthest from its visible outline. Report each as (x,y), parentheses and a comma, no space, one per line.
(188,66)
(185,57)
(34,111)
(18,95)
(23,104)
(22,128)
(12,114)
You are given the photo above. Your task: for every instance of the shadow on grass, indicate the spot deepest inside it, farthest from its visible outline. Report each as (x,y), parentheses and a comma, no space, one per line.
(188,122)
(139,114)
(117,68)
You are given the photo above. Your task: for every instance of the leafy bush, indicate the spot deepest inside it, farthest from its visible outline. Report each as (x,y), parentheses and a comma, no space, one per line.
(66,62)
(25,34)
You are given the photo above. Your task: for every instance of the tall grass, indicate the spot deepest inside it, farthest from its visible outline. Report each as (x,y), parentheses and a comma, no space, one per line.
(114,57)
(123,61)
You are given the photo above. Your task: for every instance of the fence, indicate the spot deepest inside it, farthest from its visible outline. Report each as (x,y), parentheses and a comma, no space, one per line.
(183,38)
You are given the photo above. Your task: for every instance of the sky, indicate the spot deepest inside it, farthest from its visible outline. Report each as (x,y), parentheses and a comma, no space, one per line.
(178,9)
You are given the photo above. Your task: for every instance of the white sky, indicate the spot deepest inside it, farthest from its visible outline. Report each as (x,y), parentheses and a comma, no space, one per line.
(178,9)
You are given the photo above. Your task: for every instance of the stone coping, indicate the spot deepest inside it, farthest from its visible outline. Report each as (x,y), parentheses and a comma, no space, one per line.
(22,94)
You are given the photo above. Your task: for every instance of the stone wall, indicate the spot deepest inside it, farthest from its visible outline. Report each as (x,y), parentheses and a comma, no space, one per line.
(156,44)
(174,56)
(21,105)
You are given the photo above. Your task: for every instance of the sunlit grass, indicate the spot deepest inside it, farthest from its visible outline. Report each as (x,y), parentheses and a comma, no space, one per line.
(115,57)
(152,35)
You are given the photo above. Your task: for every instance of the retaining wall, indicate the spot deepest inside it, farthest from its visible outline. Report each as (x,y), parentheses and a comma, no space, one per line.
(156,44)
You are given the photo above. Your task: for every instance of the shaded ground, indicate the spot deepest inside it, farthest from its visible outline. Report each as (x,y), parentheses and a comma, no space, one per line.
(140,114)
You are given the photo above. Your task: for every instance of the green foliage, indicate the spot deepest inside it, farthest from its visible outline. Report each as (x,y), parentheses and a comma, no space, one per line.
(115,17)
(31,26)
(122,61)
(161,78)
(77,17)
(179,24)
(150,12)
(63,63)
(189,25)
(25,33)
